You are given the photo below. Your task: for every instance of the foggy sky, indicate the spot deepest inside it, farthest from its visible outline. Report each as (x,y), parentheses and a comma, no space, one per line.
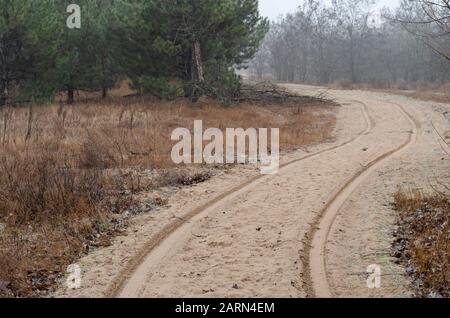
(274,8)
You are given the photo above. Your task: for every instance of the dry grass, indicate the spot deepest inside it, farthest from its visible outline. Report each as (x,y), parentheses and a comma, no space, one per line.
(423,241)
(67,174)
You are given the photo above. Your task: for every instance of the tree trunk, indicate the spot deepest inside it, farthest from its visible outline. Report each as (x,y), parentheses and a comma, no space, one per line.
(70,95)
(197,73)
(104,92)
(6,96)
(352,67)
(352,57)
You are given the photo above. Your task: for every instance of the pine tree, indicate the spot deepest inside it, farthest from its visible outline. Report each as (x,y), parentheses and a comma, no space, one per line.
(28,45)
(183,38)
(86,60)
(194,43)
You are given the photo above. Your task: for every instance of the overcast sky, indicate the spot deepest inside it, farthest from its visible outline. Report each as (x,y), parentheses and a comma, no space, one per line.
(274,8)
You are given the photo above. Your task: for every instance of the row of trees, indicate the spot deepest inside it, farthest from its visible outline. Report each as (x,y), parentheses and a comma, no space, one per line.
(348,41)
(164,47)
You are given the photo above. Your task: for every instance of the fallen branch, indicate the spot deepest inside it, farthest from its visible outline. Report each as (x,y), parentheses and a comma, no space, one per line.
(269,92)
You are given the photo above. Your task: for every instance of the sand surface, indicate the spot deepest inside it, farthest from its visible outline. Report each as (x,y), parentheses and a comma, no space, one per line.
(309,231)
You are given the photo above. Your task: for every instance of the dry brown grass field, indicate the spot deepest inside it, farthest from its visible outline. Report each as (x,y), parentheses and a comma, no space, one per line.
(422,240)
(68,173)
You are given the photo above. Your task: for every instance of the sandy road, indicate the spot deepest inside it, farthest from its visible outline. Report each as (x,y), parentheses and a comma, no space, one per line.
(309,231)
(315,264)
(174,238)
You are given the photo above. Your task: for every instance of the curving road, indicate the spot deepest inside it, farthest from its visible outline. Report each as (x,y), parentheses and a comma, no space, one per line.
(309,231)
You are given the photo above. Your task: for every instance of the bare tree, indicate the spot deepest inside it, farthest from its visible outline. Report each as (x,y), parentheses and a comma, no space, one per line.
(353,17)
(320,43)
(429,20)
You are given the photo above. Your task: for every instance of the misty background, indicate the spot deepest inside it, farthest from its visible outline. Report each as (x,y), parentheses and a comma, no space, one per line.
(383,44)
(273,9)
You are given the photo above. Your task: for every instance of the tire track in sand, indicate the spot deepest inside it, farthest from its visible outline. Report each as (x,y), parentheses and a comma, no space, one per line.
(125,284)
(314,256)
